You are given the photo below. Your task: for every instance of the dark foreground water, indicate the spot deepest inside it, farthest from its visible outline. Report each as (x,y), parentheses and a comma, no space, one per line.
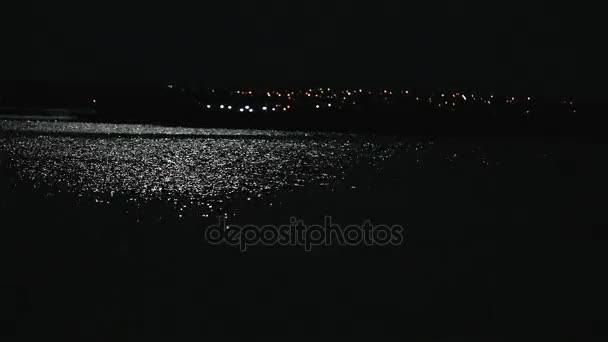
(103,233)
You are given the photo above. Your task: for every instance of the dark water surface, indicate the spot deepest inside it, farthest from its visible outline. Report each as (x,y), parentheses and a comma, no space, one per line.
(104,232)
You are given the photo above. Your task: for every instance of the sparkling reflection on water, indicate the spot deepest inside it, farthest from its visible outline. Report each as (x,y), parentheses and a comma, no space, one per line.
(192,170)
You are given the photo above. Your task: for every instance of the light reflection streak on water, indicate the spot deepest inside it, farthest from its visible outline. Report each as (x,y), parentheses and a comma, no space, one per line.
(190,174)
(202,171)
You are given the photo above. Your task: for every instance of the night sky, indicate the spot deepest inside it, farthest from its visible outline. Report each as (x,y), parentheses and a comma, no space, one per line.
(540,48)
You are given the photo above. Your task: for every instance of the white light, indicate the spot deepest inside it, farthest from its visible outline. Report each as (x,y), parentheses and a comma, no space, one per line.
(229,107)
(264,108)
(329,105)
(251,110)
(208,106)
(222,106)
(464,97)
(170,86)
(246,107)
(318,106)
(274,109)
(241,110)
(94,101)
(529,99)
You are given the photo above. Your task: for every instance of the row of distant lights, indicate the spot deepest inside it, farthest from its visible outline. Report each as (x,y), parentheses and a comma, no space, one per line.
(309,93)
(511,99)
(248,108)
(350,93)
(251,110)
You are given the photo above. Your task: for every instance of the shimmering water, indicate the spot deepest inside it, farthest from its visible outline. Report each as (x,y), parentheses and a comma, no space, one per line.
(464,204)
(204,173)
(135,129)
(193,170)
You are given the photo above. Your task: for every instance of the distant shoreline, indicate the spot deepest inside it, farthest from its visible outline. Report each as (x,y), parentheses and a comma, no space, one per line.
(45,111)
(46,114)
(38,117)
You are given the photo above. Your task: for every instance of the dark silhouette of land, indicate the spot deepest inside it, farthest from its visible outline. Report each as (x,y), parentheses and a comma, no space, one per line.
(409,112)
